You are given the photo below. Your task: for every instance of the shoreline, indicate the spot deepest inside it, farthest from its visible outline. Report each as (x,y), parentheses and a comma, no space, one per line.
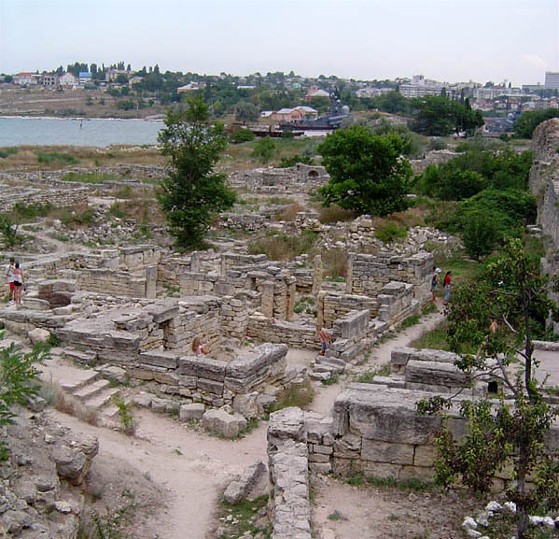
(82,118)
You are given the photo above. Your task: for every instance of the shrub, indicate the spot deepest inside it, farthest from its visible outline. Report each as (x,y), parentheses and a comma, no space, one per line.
(241,135)
(293,160)
(264,149)
(290,213)
(390,232)
(6,152)
(8,230)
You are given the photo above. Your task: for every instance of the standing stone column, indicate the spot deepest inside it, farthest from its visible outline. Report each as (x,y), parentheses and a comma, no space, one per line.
(317,274)
(349,279)
(151,282)
(268,299)
(195,262)
(291,290)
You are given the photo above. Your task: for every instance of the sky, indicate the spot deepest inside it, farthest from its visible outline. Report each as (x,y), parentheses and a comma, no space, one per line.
(446,40)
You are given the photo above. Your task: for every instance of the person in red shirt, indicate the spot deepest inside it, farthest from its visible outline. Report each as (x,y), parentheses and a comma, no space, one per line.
(447,282)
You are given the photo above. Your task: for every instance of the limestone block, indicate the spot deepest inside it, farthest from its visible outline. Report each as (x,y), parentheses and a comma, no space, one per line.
(391,453)
(210,386)
(159,359)
(287,423)
(189,412)
(424,455)
(420,473)
(345,467)
(39,335)
(223,424)
(247,405)
(382,470)
(241,487)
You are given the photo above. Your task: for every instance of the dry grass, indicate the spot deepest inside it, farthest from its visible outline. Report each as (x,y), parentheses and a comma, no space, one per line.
(334,214)
(290,213)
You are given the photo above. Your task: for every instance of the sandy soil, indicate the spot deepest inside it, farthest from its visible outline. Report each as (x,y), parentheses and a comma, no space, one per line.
(178,474)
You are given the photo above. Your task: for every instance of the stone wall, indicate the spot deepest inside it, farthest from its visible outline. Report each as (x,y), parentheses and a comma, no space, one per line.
(298,179)
(59,197)
(368,274)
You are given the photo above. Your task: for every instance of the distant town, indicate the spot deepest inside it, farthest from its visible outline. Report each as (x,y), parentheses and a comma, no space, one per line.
(273,97)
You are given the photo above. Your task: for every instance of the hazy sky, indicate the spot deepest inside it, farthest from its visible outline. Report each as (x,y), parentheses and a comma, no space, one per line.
(446,40)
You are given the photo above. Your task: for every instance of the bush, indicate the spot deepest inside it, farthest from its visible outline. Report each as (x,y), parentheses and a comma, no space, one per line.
(390,232)
(481,234)
(241,135)
(264,149)
(8,230)
(6,152)
(293,160)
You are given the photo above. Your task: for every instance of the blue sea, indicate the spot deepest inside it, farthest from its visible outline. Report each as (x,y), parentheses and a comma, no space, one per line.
(77,132)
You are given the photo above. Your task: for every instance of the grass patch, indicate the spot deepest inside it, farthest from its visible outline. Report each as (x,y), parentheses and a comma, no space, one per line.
(300,396)
(6,152)
(59,158)
(334,214)
(244,519)
(283,246)
(368,377)
(410,321)
(290,213)
(435,339)
(334,379)
(335,263)
(305,305)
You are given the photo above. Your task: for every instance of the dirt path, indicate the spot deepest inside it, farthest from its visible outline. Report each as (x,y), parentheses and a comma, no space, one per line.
(193,468)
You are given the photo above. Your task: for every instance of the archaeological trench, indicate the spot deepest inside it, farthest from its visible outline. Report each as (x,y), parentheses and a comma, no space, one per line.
(131,313)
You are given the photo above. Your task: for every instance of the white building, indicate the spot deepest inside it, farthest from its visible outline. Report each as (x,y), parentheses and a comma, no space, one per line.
(551,80)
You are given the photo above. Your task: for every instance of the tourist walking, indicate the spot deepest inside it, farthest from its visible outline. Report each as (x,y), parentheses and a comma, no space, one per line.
(435,283)
(325,340)
(447,283)
(19,282)
(10,277)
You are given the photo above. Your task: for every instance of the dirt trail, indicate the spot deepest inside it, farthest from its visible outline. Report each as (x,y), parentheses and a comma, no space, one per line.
(193,467)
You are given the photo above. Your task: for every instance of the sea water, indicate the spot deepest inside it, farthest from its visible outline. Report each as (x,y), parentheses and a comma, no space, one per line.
(19,131)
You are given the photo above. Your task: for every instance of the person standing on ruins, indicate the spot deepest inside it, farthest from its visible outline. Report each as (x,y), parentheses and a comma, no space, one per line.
(447,283)
(10,276)
(18,283)
(435,283)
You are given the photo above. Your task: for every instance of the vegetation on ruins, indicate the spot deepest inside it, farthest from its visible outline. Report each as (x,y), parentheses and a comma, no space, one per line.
(493,322)
(489,194)
(193,192)
(367,172)
(18,382)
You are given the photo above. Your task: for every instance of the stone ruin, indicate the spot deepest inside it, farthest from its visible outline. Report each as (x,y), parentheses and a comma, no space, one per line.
(139,308)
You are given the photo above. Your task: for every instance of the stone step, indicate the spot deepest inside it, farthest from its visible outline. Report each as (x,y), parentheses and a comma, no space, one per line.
(87,392)
(101,400)
(87,357)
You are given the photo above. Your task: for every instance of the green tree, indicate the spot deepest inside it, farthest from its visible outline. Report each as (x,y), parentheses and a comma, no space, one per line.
(497,319)
(528,121)
(367,172)
(193,192)
(440,116)
(392,102)
(246,112)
